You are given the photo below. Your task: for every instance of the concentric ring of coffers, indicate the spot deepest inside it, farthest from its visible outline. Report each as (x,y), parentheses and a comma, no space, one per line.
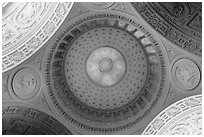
(25,83)
(18,119)
(27,26)
(186,74)
(87,119)
(112,88)
(183,117)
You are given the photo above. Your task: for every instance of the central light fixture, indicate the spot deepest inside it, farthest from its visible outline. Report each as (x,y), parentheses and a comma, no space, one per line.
(105,66)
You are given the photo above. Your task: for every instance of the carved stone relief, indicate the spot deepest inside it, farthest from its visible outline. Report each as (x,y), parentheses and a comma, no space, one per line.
(186,74)
(24,83)
(101,68)
(181,118)
(179,22)
(76,43)
(20,21)
(22,120)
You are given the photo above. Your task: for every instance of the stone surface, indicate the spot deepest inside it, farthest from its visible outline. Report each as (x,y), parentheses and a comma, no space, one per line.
(26,27)
(22,120)
(161,47)
(59,90)
(186,74)
(183,117)
(179,22)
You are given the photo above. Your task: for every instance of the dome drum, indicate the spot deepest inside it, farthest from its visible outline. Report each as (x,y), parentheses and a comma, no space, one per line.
(71,88)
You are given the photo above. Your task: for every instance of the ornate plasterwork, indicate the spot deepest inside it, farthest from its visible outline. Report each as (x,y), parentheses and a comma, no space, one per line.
(186,74)
(26,27)
(184,117)
(18,119)
(89,121)
(179,22)
(132,78)
(24,83)
(84,118)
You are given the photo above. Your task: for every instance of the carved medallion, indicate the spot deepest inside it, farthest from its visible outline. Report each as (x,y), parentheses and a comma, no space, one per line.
(25,83)
(185,74)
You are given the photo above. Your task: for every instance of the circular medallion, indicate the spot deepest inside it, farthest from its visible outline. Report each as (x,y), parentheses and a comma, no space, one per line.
(105,66)
(25,83)
(184,117)
(104,73)
(23,120)
(185,74)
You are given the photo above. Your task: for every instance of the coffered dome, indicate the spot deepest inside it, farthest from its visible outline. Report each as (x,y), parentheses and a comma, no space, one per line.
(104,74)
(101,68)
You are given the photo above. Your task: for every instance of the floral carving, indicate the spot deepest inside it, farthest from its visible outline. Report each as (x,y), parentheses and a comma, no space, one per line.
(176,9)
(181,121)
(181,23)
(16,56)
(157,124)
(173,111)
(39,19)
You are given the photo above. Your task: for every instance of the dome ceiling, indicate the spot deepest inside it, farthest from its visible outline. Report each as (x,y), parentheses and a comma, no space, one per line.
(101,68)
(105,108)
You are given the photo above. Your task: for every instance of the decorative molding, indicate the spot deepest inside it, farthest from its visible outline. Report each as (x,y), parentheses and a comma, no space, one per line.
(183,117)
(24,120)
(24,83)
(26,27)
(178,22)
(93,121)
(186,74)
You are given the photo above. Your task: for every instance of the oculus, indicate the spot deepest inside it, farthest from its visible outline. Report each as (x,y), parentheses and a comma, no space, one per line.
(77,61)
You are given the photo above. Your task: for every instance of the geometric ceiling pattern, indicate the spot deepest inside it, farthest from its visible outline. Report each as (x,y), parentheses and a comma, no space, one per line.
(92,108)
(101,68)
(26,27)
(184,117)
(20,119)
(181,23)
